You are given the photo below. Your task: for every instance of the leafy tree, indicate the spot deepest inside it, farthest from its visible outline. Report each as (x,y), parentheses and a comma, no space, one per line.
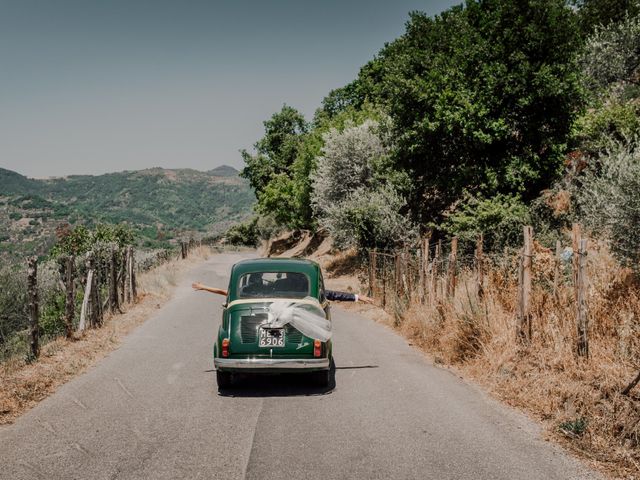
(612,55)
(347,163)
(80,240)
(500,219)
(482,98)
(276,151)
(370,219)
(243,233)
(352,197)
(598,13)
(610,204)
(284,195)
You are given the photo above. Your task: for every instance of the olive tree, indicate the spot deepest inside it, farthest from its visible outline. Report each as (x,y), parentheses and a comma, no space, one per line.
(353,195)
(610,204)
(612,54)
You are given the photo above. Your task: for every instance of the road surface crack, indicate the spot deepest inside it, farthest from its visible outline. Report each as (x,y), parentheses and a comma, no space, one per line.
(124,389)
(253,439)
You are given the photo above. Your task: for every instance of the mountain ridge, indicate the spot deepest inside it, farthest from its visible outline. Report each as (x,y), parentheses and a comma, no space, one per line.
(160,204)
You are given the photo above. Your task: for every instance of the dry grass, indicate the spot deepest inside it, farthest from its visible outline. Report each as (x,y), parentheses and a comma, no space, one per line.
(578,399)
(23,385)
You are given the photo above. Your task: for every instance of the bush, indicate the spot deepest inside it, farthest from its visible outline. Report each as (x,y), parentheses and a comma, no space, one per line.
(347,164)
(80,240)
(609,202)
(368,219)
(13,304)
(616,120)
(500,219)
(612,54)
(243,233)
(353,194)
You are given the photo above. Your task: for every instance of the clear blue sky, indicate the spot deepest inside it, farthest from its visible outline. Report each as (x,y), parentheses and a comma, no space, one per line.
(94,86)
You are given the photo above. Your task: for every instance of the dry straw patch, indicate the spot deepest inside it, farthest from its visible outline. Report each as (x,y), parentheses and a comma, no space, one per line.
(578,400)
(23,385)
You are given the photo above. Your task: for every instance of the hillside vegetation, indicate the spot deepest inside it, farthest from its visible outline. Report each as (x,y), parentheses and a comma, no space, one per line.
(474,123)
(160,204)
(486,117)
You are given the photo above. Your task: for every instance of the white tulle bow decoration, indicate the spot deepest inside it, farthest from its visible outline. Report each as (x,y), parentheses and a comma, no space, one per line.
(305,316)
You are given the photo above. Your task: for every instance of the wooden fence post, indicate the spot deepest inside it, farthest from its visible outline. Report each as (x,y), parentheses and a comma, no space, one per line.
(374,272)
(479,268)
(183,251)
(113,281)
(32,290)
(98,279)
(556,269)
(524,288)
(95,307)
(130,279)
(370,289)
(423,266)
(398,276)
(384,281)
(69,304)
(87,308)
(575,246)
(435,267)
(406,273)
(451,274)
(122,273)
(581,300)
(134,286)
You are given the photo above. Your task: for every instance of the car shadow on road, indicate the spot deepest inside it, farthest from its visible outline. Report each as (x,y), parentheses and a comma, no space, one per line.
(283,385)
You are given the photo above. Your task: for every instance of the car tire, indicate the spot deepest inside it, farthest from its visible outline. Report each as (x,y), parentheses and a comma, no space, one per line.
(321,378)
(224,379)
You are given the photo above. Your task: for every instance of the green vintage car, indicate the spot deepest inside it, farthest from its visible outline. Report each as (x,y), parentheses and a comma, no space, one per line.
(250,338)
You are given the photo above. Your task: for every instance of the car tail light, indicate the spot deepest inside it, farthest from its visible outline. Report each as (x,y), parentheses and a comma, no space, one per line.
(317,348)
(225,347)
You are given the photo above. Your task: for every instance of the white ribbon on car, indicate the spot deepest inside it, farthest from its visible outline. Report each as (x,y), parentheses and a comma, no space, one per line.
(305,316)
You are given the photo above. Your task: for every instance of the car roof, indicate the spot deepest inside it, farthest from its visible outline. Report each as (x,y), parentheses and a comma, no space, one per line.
(275,265)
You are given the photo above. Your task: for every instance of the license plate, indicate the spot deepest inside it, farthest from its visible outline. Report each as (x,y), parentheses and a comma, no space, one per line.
(271,337)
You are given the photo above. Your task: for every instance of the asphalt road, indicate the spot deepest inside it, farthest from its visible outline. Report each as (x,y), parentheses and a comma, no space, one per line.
(151,410)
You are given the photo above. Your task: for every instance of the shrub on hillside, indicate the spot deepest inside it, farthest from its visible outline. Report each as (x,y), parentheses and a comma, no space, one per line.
(370,219)
(354,194)
(612,54)
(500,219)
(347,163)
(609,201)
(13,303)
(243,233)
(79,240)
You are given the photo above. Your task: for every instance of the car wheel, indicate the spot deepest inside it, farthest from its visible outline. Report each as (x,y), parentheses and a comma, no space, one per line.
(224,379)
(321,378)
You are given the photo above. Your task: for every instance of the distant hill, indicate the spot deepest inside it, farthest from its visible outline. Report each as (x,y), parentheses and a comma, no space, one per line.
(161,204)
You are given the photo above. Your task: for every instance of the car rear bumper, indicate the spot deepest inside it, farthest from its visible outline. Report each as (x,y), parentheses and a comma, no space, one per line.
(273,364)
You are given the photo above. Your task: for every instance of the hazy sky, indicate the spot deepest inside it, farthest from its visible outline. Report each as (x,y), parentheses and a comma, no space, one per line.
(94,86)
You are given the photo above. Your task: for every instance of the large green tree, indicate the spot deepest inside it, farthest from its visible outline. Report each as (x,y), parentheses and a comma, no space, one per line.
(483,98)
(276,151)
(602,13)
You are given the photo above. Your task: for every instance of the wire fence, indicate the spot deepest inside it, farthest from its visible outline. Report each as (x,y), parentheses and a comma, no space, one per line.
(429,274)
(67,295)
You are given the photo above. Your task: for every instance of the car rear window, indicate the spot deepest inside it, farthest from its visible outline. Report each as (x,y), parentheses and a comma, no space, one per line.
(273,285)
